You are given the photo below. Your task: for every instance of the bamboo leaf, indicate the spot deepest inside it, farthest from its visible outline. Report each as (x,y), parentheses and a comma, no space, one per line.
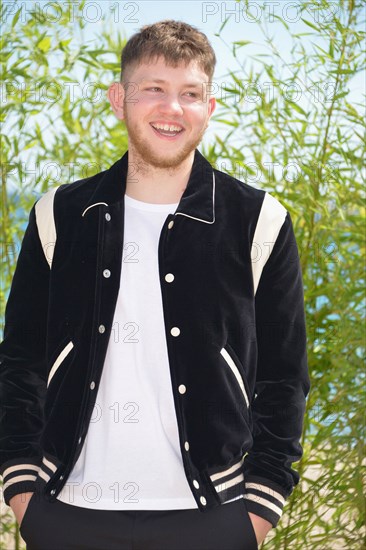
(309,24)
(44,44)
(16,17)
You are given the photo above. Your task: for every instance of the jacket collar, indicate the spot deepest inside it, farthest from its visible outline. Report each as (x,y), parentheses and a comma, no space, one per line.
(197,201)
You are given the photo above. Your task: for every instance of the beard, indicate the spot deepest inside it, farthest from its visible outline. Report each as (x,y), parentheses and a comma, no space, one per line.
(146,155)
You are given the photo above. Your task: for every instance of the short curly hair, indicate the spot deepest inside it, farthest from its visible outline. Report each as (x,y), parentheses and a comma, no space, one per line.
(175,41)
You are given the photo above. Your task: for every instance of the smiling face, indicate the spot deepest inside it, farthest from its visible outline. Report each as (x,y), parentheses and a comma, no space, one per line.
(166,111)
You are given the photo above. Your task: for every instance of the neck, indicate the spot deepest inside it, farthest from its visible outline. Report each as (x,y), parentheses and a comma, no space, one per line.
(157,185)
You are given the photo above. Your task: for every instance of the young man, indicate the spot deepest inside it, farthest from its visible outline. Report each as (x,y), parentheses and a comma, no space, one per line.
(153,371)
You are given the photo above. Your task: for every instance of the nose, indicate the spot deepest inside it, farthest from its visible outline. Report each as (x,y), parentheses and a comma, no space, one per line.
(170,105)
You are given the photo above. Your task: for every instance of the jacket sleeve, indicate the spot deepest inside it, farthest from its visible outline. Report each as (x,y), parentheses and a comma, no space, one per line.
(282,381)
(23,366)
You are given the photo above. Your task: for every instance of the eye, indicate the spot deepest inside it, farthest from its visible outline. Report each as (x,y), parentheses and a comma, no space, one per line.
(153,89)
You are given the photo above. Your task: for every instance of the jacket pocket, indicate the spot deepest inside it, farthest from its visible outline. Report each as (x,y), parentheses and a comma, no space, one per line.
(59,359)
(231,363)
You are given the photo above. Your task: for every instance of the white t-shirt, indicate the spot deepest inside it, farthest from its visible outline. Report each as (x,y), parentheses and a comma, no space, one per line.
(131,458)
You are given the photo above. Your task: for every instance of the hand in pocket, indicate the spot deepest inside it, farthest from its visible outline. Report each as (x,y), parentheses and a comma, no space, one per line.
(19,504)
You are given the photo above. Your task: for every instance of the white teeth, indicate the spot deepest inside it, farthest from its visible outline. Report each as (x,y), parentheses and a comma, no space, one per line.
(167,128)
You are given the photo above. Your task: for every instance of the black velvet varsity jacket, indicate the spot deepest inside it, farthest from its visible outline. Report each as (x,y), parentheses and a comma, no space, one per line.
(234,319)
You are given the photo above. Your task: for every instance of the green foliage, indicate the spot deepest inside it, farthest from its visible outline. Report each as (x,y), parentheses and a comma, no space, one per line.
(293,129)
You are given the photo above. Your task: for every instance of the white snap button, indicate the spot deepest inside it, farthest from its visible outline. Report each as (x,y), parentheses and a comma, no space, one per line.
(203,500)
(108,217)
(92,385)
(175,331)
(101,329)
(186,446)
(53,491)
(79,441)
(61,478)
(196,484)
(106,273)
(182,388)
(170,224)
(169,277)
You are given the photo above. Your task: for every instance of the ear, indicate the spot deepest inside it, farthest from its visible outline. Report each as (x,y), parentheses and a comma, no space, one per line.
(115,95)
(211,106)
(210,110)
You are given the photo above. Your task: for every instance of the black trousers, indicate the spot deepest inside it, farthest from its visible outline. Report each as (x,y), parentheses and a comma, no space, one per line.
(60,526)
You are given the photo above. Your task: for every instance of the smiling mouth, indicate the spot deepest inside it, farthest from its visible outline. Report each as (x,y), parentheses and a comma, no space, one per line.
(166,130)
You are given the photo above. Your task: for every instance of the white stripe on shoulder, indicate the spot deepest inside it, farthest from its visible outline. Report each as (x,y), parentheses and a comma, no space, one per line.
(270,221)
(46,224)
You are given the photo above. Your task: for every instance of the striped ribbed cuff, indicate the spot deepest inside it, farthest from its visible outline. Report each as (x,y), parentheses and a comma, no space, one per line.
(229,483)
(264,498)
(19,476)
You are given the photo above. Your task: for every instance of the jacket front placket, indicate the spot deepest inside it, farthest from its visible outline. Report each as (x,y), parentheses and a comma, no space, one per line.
(203,180)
